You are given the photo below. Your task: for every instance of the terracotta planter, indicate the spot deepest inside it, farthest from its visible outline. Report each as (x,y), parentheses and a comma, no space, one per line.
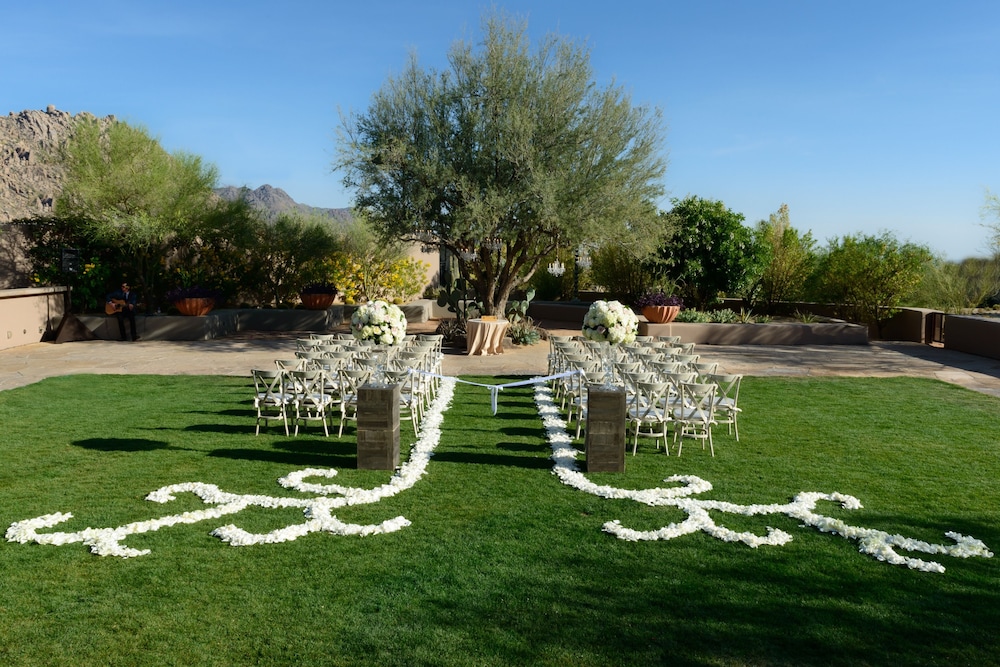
(661,314)
(195,306)
(317,301)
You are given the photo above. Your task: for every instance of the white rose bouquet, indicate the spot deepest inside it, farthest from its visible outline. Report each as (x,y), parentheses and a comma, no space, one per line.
(610,321)
(379,322)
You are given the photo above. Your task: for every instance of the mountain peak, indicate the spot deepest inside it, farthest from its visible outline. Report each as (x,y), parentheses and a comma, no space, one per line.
(274,201)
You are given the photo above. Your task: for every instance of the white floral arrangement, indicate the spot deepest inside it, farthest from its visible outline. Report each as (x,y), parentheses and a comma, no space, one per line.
(380,322)
(610,321)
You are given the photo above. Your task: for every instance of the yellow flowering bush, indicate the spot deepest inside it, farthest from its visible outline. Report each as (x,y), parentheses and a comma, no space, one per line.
(370,279)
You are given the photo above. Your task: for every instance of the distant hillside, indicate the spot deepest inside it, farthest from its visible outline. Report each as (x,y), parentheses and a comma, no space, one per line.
(31,178)
(275,201)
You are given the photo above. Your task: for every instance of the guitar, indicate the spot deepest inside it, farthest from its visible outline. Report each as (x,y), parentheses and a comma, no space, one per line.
(114,306)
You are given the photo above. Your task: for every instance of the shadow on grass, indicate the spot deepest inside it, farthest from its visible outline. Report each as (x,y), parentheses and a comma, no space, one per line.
(729,608)
(122,444)
(229,429)
(486,459)
(246,413)
(302,451)
(288,458)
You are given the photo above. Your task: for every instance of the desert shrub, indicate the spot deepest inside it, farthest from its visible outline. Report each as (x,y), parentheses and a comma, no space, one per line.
(524,332)
(693,316)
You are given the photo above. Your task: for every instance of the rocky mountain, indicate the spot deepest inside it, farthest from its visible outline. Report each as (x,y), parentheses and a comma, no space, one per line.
(30,175)
(31,180)
(275,201)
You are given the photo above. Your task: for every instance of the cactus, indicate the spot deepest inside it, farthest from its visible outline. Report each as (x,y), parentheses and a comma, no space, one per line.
(460,299)
(517,311)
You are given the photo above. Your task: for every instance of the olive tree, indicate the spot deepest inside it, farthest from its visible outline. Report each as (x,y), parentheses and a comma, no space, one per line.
(505,156)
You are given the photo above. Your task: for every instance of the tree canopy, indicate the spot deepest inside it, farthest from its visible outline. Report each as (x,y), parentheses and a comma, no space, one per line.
(786,260)
(124,190)
(710,251)
(868,276)
(504,156)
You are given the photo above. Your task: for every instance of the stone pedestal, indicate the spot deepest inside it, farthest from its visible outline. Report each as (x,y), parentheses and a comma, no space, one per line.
(378,427)
(605,441)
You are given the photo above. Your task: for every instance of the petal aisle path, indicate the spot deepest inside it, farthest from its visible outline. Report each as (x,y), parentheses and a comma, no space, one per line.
(877,543)
(317,511)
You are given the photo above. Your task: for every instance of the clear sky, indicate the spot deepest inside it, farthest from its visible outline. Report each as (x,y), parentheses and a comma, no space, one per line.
(862,116)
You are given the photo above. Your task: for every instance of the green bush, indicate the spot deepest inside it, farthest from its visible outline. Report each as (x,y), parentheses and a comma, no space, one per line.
(693,316)
(524,332)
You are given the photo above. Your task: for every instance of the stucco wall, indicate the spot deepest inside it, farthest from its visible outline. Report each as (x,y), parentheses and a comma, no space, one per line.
(28,315)
(974,335)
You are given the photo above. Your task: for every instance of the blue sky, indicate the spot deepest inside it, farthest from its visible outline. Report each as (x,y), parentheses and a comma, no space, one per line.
(861,116)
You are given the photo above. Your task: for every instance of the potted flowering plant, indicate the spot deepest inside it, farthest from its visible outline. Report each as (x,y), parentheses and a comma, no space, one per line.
(610,321)
(193,300)
(658,307)
(318,296)
(380,322)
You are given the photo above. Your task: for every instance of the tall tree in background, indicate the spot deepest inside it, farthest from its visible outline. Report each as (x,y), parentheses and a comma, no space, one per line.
(991,209)
(505,156)
(869,276)
(287,254)
(786,261)
(710,252)
(124,190)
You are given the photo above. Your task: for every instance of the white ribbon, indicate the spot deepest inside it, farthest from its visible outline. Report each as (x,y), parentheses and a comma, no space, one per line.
(495,389)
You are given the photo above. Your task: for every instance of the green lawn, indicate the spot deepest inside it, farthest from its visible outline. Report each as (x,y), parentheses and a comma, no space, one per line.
(502,564)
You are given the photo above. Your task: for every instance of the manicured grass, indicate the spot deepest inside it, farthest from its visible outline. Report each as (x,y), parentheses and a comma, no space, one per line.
(502,564)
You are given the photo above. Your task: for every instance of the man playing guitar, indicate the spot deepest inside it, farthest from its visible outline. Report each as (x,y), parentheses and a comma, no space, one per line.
(122,304)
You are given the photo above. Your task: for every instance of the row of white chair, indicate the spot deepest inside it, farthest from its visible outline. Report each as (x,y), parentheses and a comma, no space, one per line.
(679,391)
(316,386)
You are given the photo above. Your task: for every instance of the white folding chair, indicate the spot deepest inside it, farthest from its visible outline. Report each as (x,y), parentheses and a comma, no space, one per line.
(351,380)
(312,403)
(695,414)
(727,399)
(649,413)
(270,399)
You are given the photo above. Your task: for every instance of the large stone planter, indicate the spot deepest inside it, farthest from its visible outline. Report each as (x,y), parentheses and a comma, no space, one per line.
(320,301)
(660,314)
(195,306)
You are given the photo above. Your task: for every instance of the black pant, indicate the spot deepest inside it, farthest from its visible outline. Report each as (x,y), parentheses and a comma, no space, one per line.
(122,315)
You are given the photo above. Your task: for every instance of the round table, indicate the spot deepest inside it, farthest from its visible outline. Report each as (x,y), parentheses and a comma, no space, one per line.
(485,336)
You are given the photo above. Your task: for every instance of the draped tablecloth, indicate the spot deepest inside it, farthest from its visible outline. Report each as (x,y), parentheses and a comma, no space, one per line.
(485,336)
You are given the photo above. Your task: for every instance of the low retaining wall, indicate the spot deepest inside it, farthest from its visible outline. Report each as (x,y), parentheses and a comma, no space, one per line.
(975,335)
(30,315)
(558,312)
(225,322)
(771,333)
(217,323)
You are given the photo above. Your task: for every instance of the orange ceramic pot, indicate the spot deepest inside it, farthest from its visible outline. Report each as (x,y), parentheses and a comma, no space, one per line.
(319,301)
(661,314)
(194,306)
